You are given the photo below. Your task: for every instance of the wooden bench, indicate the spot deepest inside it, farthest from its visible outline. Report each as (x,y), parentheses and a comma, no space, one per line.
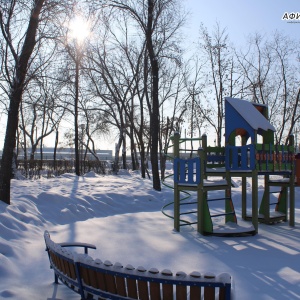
(94,279)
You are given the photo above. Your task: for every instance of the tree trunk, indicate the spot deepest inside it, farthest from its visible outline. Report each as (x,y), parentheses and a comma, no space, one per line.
(143,158)
(154,127)
(24,144)
(117,154)
(9,145)
(54,152)
(154,115)
(16,93)
(42,155)
(132,149)
(124,151)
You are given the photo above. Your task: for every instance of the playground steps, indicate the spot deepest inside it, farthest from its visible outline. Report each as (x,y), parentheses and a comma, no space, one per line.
(230,226)
(206,225)
(268,216)
(234,229)
(274,217)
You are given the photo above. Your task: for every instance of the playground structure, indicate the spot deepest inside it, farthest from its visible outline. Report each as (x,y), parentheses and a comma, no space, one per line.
(212,169)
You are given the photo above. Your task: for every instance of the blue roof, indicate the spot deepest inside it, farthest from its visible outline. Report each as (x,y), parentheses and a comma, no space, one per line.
(250,114)
(242,114)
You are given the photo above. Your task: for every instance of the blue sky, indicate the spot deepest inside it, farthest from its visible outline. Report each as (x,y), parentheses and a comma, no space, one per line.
(243,17)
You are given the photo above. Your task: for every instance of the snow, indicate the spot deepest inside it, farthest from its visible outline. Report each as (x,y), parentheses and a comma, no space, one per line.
(251,115)
(121,215)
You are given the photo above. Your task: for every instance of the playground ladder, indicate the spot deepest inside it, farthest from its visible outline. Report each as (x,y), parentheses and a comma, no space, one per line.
(189,175)
(281,205)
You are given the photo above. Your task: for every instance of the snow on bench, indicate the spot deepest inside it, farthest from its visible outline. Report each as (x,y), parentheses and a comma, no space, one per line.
(94,279)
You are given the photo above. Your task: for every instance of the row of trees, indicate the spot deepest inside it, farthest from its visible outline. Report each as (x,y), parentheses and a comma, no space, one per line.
(131,77)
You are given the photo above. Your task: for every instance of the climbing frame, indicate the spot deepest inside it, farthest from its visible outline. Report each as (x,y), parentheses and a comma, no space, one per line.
(190,175)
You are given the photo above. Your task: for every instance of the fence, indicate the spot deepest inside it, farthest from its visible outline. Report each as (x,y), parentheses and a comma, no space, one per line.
(35,169)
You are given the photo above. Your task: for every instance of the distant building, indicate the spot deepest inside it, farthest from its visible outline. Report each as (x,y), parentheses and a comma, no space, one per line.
(64,153)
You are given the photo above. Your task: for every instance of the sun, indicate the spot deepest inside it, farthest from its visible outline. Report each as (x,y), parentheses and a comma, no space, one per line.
(79,30)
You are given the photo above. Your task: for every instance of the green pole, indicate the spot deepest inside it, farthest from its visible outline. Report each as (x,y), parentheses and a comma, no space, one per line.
(244,197)
(292,186)
(176,144)
(255,200)
(200,195)
(176,189)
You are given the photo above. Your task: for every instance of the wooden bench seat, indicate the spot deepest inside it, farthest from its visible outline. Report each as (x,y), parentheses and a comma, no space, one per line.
(94,279)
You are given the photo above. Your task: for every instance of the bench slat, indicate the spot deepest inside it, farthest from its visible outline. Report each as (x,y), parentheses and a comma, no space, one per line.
(181,292)
(143,290)
(131,286)
(155,290)
(58,261)
(222,293)
(195,293)
(101,284)
(167,290)
(93,279)
(110,283)
(142,285)
(154,286)
(85,276)
(209,293)
(120,281)
(67,267)
(61,264)
(121,286)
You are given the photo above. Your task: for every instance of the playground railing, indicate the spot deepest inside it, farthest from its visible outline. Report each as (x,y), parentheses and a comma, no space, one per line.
(187,171)
(262,157)
(240,158)
(215,157)
(274,157)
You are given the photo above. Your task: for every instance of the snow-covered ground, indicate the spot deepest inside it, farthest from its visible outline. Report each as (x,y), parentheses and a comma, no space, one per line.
(122,216)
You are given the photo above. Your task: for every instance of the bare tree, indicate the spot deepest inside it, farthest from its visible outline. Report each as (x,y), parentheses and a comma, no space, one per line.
(174,98)
(21,52)
(195,85)
(222,79)
(111,86)
(269,67)
(40,112)
(116,74)
(255,66)
(158,21)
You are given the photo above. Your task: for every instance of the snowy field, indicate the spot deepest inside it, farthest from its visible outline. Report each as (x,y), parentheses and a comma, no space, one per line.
(122,216)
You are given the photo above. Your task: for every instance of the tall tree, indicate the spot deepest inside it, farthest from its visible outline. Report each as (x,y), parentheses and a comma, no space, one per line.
(21,59)
(75,41)
(158,20)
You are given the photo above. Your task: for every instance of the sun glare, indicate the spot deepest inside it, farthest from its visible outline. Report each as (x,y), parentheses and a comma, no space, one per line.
(79,29)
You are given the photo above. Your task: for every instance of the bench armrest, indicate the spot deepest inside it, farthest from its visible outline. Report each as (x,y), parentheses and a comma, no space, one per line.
(83,245)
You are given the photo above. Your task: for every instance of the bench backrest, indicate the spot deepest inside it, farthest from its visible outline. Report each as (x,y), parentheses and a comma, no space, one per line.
(62,262)
(107,281)
(104,278)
